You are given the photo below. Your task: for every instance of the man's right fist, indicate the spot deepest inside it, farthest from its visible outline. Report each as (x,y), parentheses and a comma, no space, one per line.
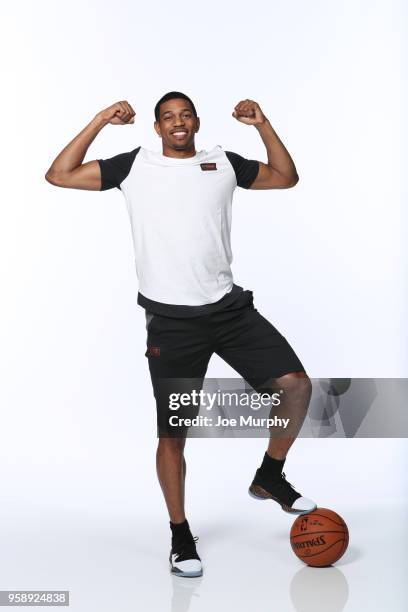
(118,114)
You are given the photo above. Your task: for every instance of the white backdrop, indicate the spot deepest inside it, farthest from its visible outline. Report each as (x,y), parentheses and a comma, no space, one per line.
(326,260)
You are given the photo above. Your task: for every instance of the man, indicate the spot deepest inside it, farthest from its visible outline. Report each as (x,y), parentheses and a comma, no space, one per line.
(179,203)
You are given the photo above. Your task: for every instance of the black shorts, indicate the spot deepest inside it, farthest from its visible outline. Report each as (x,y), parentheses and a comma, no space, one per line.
(180,348)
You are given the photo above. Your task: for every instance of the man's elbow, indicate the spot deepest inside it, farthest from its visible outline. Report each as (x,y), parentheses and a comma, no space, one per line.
(54,179)
(48,178)
(294,181)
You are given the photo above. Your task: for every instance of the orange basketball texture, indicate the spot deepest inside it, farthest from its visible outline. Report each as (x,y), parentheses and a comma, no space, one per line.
(319,538)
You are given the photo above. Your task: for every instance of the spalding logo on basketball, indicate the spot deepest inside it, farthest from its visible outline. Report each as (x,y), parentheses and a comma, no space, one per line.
(319,538)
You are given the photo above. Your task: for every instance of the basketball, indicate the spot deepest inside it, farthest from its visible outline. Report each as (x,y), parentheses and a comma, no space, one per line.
(319,538)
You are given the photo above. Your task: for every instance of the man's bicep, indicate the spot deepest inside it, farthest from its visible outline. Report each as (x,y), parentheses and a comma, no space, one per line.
(264,177)
(268,178)
(87,176)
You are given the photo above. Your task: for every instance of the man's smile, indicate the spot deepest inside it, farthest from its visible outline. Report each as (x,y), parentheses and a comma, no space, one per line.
(179,134)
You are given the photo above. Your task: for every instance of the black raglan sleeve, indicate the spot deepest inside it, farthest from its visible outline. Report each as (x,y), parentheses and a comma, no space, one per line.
(246,170)
(115,169)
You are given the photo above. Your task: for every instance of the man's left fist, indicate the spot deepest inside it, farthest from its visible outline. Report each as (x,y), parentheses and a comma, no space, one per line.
(249,112)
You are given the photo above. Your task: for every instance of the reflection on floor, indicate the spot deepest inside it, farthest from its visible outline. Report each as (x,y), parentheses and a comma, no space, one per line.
(120,563)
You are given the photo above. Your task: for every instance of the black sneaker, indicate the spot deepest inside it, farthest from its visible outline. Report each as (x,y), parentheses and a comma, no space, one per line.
(184,559)
(282,492)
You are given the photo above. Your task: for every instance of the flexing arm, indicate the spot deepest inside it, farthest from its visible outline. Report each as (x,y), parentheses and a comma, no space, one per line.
(280,171)
(67,169)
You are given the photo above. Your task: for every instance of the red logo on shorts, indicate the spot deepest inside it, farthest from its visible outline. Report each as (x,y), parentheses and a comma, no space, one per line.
(154,351)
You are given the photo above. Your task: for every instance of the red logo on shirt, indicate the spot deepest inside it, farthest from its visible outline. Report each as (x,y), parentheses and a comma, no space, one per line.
(209,166)
(154,351)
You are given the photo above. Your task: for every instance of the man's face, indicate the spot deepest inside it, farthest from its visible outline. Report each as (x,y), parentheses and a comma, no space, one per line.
(177,125)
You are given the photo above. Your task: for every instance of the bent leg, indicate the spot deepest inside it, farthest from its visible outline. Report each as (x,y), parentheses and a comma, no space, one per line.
(270,481)
(297,390)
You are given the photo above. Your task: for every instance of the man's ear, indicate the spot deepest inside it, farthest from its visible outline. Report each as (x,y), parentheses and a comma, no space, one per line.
(198,124)
(156,126)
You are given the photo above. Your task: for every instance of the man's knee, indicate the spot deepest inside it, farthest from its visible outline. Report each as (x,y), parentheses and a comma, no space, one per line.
(296,383)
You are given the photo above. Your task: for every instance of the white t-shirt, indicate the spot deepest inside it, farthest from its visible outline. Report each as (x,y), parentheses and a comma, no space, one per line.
(180,215)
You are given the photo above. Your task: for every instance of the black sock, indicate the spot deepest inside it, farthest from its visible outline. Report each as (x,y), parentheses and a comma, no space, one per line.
(180,531)
(271,468)
(182,541)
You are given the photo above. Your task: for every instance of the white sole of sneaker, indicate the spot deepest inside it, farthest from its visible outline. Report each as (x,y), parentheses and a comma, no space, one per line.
(185,574)
(284,507)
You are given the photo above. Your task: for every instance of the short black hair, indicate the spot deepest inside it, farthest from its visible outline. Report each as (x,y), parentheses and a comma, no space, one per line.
(171,95)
